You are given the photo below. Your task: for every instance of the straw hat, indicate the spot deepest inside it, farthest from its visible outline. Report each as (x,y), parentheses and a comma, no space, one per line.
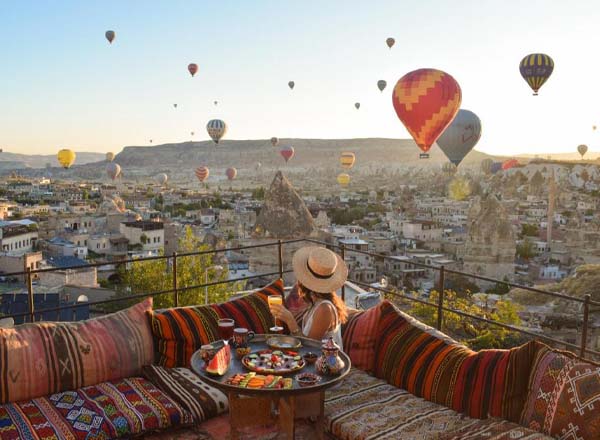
(319,269)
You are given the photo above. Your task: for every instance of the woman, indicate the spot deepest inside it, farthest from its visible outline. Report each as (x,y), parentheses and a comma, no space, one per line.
(320,273)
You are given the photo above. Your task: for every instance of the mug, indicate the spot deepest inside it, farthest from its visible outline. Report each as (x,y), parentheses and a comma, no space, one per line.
(241,337)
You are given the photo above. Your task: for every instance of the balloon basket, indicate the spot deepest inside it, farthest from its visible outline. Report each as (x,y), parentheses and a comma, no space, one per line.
(424,156)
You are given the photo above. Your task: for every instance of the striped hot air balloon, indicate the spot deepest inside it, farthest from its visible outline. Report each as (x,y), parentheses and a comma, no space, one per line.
(287,153)
(66,158)
(216,129)
(161,178)
(582,149)
(343,179)
(113,170)
(536,68)
(347,160)
(426,101)
(231,173)
(202,173)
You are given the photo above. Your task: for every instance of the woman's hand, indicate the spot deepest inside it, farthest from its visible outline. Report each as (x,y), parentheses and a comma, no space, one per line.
(280,312)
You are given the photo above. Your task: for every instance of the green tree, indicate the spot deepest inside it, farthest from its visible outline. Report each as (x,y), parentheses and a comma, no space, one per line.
(157,275)
(525,249)
(528,230)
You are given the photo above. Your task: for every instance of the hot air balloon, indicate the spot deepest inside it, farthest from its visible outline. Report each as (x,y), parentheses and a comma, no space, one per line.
(287,153)
(449,168)
(110,36)
(459,189)
(231,173)
(191,133)
(426,101)
(343,179)
(175,105)
(486,166)
(582,149)
(161,178)
(192,68)
(258,166)
(110,157)
(510,163)
(113,170)
(496,166)
(150,140)
(215,102)
(347,160)
(460,136)
(536,68)
(390,42)
(594,127)
(291,85)
(202,173)
(274,141)
(357,105)
(66,158)
(381,84)
(216,129)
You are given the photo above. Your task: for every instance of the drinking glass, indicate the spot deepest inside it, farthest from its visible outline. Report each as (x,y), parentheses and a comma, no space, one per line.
(275,299)
(226,329)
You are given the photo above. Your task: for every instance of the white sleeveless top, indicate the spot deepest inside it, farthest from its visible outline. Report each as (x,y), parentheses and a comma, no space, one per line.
(336,333)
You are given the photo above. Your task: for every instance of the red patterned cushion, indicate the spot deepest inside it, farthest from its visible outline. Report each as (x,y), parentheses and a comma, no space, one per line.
(360,338)
(564,397)
(428,364)
(179,332)
(108,410)
(47,357)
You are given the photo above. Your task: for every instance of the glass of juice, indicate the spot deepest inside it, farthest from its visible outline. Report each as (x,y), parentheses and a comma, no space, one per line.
(275,299)
(226,329)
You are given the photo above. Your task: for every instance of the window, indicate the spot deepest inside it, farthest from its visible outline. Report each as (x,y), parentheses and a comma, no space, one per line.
(97,245)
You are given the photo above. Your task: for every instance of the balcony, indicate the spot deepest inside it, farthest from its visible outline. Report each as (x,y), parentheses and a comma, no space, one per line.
(439,302)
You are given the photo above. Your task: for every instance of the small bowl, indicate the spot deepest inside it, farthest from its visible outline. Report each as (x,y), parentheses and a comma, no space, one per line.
(307,379)
(284,343)
(240,352)
(310,357)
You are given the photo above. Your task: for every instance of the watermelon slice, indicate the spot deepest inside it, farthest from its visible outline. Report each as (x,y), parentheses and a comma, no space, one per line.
(220,363)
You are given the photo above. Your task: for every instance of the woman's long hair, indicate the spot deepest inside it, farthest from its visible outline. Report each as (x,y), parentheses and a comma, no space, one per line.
(311,296)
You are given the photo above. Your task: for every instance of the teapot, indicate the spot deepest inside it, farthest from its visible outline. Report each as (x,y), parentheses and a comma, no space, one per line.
(330,363)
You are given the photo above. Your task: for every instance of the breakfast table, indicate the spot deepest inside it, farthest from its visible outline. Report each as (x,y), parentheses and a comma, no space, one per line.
(250,406)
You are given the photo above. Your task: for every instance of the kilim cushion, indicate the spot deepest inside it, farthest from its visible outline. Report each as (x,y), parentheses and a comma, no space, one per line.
(108,410)
(564,397)
(494,429)
(360,336)
(430,365)
(182,385)
(39,359)
(179,332)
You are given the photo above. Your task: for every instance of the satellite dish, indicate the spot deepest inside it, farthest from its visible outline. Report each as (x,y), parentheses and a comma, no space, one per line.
(82,299)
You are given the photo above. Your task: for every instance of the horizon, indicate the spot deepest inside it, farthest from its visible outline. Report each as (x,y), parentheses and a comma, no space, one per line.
(65,86)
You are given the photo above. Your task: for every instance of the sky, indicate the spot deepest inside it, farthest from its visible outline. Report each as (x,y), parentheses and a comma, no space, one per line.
(62,84)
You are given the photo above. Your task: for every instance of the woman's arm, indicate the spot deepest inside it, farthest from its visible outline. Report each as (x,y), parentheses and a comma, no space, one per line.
(323,320)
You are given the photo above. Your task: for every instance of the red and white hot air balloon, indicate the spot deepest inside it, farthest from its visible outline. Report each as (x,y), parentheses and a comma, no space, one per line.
(287,153)
(202,173)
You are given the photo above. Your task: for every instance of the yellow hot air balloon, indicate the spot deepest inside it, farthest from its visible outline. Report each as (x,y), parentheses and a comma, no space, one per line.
(343,179)
(110,157)
(66,158)
(347,160)
(459,189)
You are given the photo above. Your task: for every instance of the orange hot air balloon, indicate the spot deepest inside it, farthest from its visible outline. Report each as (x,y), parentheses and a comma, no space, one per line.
(202,173)
(231,173)
(426,101)
(192,68)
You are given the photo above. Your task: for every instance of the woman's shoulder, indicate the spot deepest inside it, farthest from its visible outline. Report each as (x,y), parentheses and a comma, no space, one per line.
(325,306)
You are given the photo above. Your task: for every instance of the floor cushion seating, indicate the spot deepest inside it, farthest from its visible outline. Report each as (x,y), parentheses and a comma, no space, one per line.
(180,331)
(365,407)
(185,387)
(564,397)
(109,410)
(47,357)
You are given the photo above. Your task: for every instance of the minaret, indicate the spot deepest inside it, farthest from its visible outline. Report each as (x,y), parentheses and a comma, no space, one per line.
(551,201)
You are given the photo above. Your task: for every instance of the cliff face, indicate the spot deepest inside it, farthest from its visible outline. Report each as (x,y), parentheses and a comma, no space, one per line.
(284,214)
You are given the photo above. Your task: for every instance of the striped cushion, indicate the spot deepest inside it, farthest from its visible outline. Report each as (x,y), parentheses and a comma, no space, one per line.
(179,332)
(39,359)
(109,410)
(564,396)
(182,385)
(487,383)
(360,338)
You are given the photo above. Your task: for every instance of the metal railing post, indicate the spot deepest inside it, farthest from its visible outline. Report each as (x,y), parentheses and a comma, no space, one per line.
(175,293)
(440,308)
(280,255)
(30,294)
(343,255)
(586,319)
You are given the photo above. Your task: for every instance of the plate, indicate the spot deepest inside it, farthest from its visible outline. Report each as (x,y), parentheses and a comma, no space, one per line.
(283,342)
(273,362)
